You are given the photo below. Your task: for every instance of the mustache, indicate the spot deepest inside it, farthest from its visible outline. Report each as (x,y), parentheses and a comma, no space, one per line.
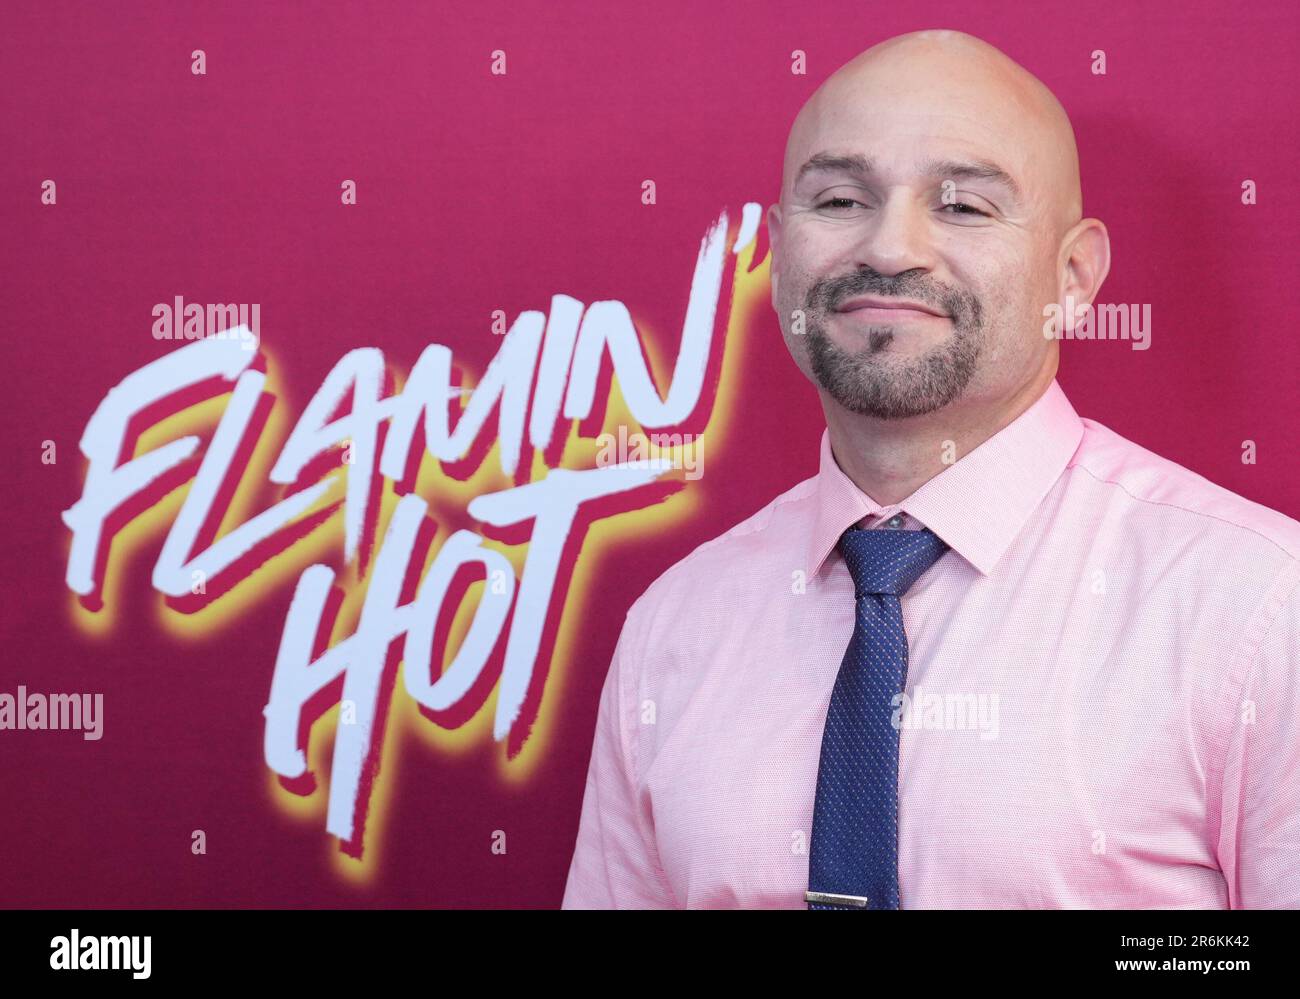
(829,294)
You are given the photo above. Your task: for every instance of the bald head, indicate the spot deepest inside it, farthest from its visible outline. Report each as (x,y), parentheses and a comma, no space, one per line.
(949,87)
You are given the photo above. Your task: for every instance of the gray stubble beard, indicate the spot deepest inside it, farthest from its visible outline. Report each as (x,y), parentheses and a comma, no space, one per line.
(862,383)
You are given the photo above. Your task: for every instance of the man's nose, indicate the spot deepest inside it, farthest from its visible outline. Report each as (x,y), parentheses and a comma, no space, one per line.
(896,237)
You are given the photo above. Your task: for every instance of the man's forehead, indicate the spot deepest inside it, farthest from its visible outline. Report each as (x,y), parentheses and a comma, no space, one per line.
(940,96)
(904,142)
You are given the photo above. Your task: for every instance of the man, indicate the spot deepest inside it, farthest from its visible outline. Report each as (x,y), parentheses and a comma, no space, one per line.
(992,655)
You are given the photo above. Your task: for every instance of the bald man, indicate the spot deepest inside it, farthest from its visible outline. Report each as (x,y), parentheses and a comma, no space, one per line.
(992,655)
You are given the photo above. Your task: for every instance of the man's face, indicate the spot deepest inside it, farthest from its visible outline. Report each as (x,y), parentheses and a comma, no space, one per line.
(888,203)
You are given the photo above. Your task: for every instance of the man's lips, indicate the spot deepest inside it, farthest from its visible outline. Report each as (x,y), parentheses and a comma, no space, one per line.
(875,309)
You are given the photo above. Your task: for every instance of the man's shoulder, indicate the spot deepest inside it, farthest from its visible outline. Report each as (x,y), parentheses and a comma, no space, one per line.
(1180,497)
(703,577)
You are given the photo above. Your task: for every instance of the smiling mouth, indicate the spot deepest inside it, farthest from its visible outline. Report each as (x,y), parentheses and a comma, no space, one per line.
(885,310)
(873,314)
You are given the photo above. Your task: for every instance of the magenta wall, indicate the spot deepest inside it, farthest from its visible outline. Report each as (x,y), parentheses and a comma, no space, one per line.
(479,192)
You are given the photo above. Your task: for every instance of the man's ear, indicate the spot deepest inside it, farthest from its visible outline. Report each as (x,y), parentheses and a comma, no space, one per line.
(1085,262)
(773,240)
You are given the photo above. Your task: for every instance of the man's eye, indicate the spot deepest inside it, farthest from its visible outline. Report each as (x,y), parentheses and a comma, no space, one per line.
(840,203)
(965,209)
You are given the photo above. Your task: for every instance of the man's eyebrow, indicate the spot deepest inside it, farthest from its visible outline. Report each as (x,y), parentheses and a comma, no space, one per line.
(861,166)
(972,170)
(848,163)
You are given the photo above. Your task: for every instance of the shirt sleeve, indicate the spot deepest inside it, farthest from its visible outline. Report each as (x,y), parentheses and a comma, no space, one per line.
(1260,831)
(615,862)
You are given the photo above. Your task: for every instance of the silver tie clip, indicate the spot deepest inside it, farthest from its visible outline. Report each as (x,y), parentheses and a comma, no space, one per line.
(860,901)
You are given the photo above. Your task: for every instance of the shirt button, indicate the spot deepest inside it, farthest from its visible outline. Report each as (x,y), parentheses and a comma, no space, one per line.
(895,521)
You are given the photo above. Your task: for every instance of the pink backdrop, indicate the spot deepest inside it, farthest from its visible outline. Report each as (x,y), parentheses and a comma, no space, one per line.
(479,192)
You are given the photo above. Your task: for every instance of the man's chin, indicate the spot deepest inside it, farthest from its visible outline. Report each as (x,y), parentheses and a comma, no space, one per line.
(890,388)
(902,341)
(886,405)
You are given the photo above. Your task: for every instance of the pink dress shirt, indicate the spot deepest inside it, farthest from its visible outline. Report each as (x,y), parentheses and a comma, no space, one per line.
(1104,690)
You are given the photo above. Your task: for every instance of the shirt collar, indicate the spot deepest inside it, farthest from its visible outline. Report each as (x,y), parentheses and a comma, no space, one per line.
(979,503)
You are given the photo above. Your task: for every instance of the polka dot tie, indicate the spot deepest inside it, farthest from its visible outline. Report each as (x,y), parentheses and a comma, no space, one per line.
(853,861)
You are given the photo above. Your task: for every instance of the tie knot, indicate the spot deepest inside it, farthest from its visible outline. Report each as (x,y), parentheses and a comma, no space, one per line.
(888,561)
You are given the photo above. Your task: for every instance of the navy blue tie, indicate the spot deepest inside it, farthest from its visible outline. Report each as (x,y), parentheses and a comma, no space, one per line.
(853,860)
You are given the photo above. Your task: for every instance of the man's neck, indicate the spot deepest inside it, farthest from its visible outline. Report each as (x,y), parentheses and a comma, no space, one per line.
(890,459)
